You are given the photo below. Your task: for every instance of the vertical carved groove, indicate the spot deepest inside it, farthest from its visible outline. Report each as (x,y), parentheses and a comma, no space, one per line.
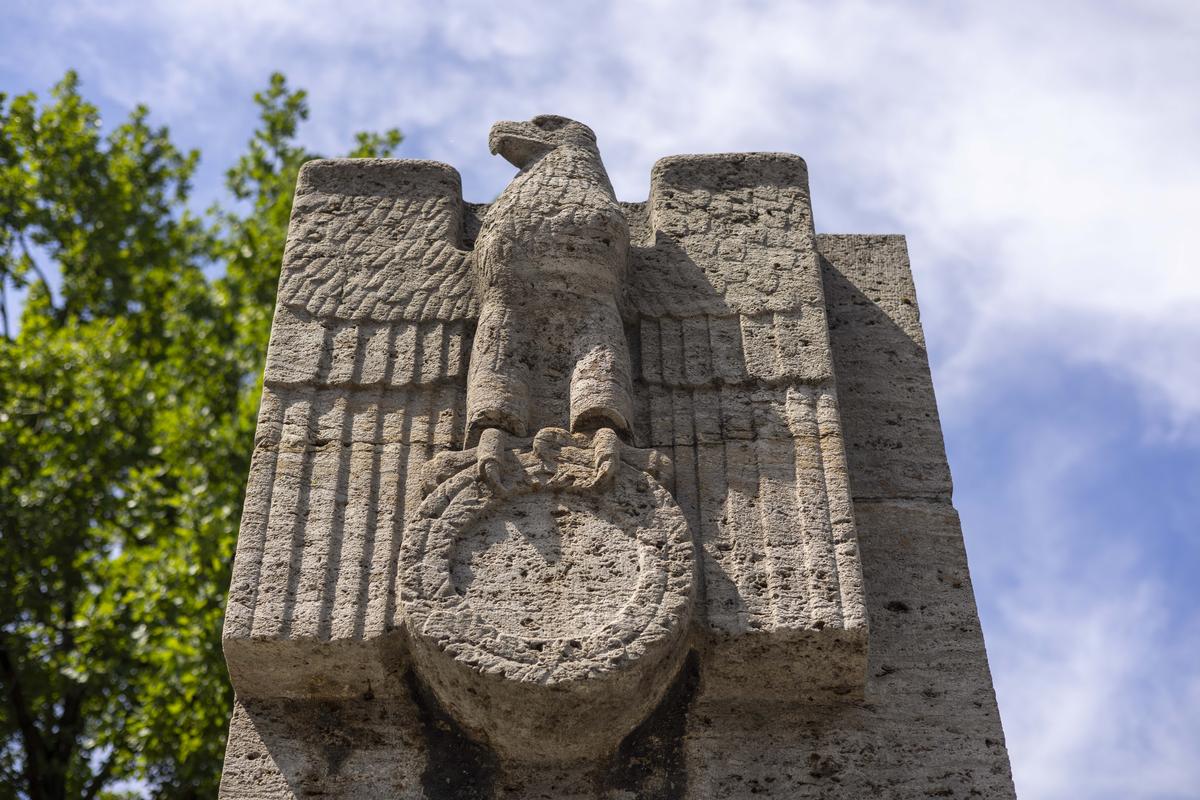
(317,535)
(804,409)
(841,515)
(345,567)
(285,526)
(256,515)
(389,548)
(744,535)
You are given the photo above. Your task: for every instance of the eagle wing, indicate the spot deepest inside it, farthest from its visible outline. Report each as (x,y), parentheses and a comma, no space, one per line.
(365,381)
(734,380)
(377,240)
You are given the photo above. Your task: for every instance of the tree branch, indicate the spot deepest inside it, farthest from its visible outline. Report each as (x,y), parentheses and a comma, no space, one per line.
(65,738)
(33,264)
(67,734)
(4,303)
(31,737)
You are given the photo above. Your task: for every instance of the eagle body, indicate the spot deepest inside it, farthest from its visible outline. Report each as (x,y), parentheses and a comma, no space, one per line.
(550,261)
(556,227)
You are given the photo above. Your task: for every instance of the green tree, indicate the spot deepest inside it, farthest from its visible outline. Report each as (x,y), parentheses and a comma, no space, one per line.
(127,404)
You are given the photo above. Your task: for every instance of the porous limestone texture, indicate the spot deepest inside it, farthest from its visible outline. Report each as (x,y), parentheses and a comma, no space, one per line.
(568,497)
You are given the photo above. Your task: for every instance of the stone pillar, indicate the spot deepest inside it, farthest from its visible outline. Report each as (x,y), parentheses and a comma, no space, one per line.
(433,600)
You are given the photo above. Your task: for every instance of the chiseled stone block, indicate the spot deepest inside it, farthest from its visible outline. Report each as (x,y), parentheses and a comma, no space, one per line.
(564,497)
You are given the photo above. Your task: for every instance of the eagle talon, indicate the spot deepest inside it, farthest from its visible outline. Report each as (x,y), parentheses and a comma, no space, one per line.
(607,459)
(489,472)
(487,459)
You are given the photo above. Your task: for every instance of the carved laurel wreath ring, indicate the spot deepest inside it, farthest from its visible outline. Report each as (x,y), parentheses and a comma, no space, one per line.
(655,610)
(485,674)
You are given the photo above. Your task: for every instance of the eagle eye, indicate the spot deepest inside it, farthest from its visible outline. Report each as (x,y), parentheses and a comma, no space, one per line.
(549,123)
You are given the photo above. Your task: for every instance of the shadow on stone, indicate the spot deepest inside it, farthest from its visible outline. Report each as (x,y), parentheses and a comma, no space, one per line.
(458,767)
(650,762)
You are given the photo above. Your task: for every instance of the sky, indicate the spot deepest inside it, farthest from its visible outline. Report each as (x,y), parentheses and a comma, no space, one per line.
(1042,159)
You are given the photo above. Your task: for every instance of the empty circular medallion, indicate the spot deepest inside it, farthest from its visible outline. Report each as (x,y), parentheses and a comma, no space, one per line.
(548,622)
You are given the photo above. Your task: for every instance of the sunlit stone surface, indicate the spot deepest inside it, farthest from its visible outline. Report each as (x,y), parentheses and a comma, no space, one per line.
(569,497)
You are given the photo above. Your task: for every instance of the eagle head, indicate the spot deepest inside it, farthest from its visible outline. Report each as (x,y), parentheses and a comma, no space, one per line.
(521,143)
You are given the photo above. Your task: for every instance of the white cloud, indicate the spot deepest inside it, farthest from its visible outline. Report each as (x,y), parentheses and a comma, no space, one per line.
(1099,700)
(1041,158)
(1094,663)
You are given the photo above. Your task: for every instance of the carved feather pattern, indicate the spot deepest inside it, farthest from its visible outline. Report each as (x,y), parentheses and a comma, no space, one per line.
(734,379)
(365,380)
(383,249)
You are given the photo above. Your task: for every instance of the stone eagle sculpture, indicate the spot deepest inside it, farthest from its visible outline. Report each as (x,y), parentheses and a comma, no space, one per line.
(549,265)
(545,276)
(542,449)
(549,498)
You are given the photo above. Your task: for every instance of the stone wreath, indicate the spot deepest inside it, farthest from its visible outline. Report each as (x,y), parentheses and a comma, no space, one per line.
(547,602)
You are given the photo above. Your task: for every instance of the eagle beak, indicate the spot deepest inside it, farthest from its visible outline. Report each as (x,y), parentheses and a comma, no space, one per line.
(516,142)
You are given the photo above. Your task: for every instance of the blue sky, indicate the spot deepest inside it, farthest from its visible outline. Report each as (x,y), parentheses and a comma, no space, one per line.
(1041,158)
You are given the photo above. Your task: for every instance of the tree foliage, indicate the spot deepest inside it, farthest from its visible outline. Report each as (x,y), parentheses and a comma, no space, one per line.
(128,393)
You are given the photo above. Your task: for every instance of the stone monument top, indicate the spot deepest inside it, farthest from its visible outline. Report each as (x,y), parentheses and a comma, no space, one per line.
(536,480)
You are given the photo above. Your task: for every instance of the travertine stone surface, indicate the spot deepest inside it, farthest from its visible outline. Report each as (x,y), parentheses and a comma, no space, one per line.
(548,617)
(897,451)
(566,497)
